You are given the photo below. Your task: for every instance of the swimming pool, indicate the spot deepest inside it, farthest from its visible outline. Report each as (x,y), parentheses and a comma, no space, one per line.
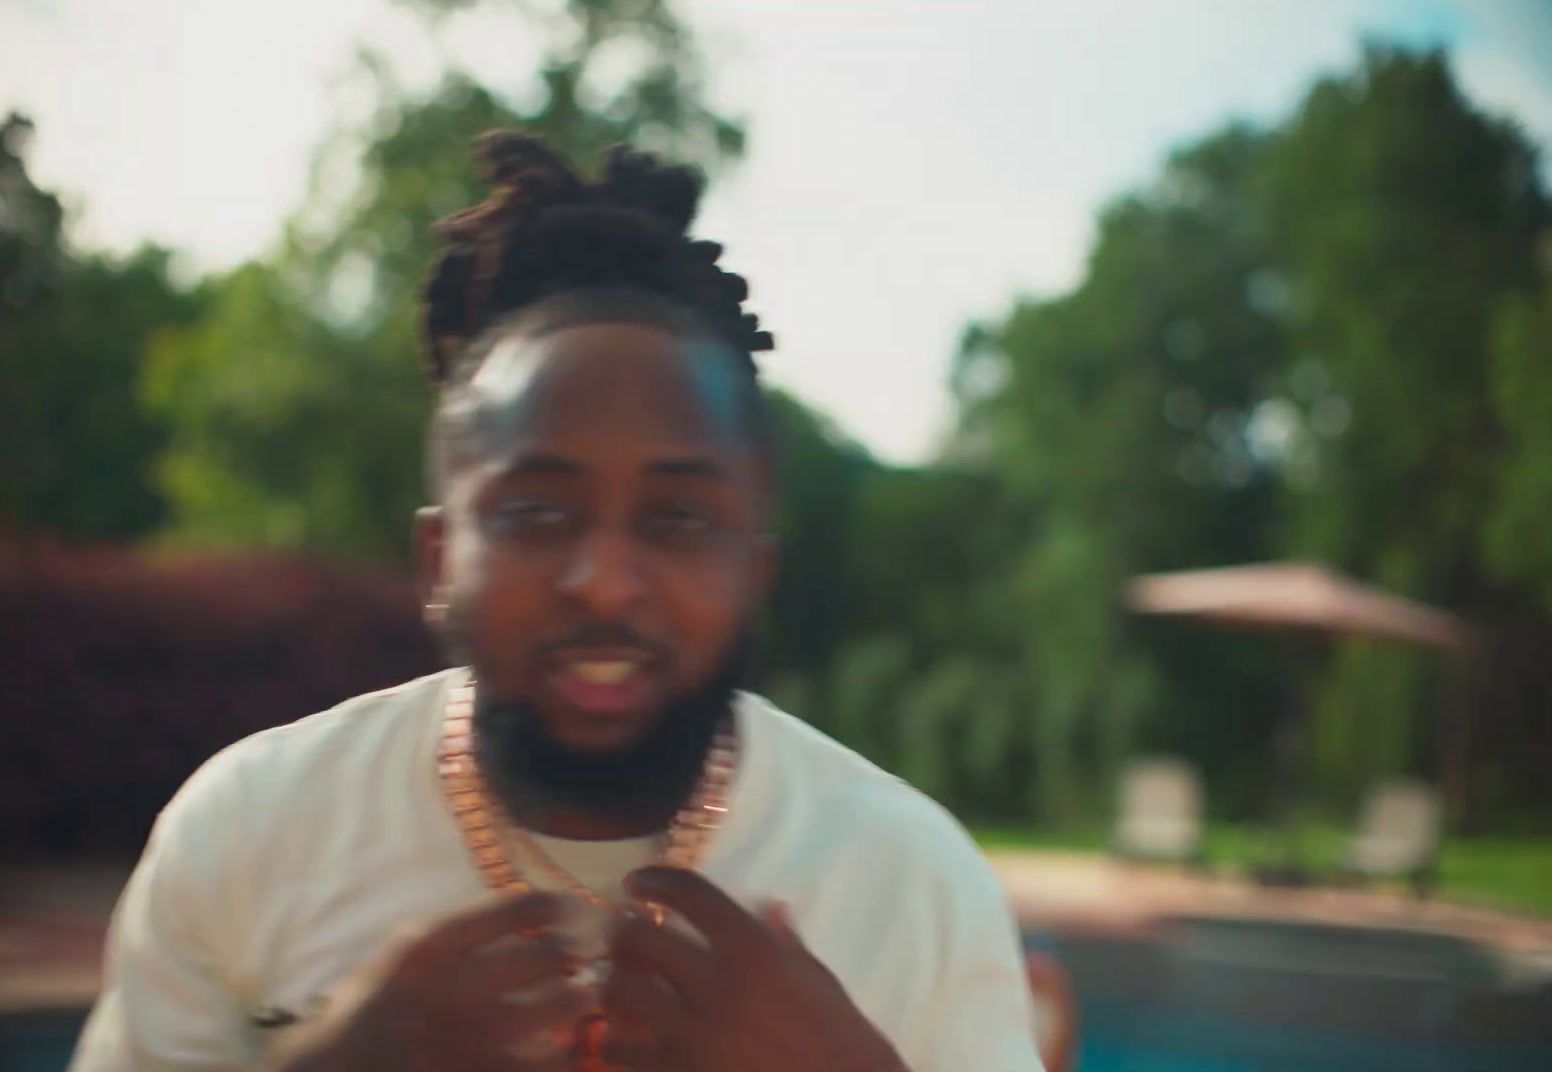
(1118,1037)
(38,1041)
(1259,996)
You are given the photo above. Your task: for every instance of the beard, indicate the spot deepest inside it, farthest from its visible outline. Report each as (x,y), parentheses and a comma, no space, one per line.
(652,776)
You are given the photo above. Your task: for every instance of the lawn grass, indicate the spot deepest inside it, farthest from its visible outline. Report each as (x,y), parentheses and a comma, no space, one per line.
(1511,873)
(1503,872)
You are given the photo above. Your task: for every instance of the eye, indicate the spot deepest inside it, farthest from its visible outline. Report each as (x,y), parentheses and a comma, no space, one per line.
(680,524)
(529,517)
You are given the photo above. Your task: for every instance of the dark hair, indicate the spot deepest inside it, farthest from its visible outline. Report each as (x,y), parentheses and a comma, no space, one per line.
(545,231)
(549,248)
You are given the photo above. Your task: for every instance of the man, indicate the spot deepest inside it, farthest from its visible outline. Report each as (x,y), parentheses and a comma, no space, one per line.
(585,848)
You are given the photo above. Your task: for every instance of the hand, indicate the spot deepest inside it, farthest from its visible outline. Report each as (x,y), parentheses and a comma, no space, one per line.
(483,990)
(750,997)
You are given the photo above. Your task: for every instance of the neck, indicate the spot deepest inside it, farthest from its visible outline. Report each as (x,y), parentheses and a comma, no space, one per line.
(533,809)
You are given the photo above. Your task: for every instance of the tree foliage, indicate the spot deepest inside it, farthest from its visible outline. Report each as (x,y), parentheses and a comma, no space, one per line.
(1517,544)
(1300,341)
(1411,223)
(1123,421)
(73,331)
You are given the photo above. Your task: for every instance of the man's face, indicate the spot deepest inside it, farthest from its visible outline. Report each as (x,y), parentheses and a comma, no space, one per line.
(602,548)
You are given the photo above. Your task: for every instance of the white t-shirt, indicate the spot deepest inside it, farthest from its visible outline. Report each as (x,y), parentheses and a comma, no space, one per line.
(601,866)
(295,855)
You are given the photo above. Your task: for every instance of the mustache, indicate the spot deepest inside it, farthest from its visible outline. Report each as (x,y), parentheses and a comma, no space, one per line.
(655,774)
(457,638)
(603,635)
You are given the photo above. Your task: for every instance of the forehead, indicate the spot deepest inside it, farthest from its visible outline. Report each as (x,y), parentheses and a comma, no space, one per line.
(605,395)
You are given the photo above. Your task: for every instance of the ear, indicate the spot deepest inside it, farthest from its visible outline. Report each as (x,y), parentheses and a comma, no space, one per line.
(430,544)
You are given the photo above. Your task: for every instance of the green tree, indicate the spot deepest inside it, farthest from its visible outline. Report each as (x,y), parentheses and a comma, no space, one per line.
(819,503)
(1407,220)
(32,226)
(1518,547)
(74,328)
(1125,421)
(1324,339)
(865,682)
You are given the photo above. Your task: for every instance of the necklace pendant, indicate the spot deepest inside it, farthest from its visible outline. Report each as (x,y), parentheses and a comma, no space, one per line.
(592,1033)
(591,973)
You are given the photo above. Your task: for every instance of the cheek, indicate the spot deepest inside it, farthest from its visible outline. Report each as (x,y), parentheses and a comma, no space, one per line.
(709,606)
(506,598)
(512,589)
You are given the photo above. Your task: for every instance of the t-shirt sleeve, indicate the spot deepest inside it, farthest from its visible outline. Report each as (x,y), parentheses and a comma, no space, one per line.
(167,1002)
(978,1014)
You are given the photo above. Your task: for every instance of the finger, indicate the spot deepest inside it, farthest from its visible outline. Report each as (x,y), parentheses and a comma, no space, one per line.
(641,1005)
(513,966)
(552,1010)
(531,1053)
(457,935)
(538,1019)
(777,917)
(631,1051)
(726,925)
(504,1055)
(689,967)
(641,1053)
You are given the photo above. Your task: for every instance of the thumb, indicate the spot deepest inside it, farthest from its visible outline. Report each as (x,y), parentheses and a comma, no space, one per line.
(777,917)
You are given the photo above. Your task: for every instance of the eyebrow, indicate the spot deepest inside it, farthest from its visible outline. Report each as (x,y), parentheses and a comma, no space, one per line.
(541,464)
(705,468)
(553,464)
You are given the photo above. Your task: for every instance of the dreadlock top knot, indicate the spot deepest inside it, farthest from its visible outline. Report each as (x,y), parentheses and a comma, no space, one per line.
(517,161)
(640,180)
(544,230)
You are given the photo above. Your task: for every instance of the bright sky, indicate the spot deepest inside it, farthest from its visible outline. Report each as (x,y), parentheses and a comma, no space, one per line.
(914,164)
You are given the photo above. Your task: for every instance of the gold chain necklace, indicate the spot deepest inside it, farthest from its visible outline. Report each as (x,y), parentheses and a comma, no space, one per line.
(482,822)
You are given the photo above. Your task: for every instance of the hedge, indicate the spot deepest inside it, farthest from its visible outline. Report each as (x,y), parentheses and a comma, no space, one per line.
(120,673)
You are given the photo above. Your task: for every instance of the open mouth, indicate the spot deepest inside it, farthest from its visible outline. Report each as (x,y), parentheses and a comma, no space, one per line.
(602,671)
(603,683)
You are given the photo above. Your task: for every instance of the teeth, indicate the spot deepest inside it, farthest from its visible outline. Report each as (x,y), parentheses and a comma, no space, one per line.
(599,672)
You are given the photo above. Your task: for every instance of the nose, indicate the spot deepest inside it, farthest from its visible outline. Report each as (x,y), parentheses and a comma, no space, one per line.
(604,573)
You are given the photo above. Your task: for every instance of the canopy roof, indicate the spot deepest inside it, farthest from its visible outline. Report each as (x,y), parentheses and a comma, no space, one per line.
(1297,596)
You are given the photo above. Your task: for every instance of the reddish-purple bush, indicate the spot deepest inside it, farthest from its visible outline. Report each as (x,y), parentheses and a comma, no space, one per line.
(120,673)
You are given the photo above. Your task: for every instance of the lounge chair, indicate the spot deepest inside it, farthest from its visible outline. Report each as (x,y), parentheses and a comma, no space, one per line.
(1159,812)
(1398,835)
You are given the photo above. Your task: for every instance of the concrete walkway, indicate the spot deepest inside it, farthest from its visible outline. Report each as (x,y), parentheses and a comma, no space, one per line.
(1089,891)
(52,923)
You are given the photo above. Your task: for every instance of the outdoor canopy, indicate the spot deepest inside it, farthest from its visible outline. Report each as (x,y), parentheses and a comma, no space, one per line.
(1295,596)
(1305,597)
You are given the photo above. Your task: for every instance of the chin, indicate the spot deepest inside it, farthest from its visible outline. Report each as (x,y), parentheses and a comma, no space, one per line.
(594,733)
(602,748)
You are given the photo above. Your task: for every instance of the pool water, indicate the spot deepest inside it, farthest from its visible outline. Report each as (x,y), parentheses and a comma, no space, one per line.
(1129,1038)
(38,1041)
(1238,996)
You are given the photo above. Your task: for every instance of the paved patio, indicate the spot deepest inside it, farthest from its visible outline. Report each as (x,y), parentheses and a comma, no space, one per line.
(1088,891)
(52,923)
